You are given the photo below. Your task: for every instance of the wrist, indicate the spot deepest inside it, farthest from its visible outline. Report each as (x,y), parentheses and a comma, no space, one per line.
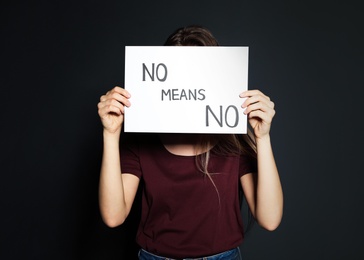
(111,135)
(263,139)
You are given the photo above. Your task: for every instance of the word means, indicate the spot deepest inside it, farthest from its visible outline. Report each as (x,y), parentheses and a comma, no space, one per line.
(176,94)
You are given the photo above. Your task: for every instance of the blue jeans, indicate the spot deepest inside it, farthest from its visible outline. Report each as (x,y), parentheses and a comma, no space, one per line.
(233,254)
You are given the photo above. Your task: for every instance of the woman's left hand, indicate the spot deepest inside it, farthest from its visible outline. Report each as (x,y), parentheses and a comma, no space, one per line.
(260,111)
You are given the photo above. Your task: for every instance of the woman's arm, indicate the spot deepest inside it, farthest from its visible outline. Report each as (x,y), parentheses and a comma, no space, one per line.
(263,190)
(116,190)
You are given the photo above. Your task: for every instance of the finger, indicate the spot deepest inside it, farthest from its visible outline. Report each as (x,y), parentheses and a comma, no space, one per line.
(121,91)
(120,98)
(261,115)
(107,109)
(112,102)
(113,92)
(255,106)
(264,109)
(250,93)
(258,99)
(103,98)
(115,96)
(254,96)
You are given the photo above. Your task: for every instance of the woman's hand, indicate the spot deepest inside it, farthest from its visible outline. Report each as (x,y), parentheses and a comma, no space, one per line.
(260,111)
(111,109)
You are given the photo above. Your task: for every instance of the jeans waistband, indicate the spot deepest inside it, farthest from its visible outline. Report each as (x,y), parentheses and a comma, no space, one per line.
(233,254)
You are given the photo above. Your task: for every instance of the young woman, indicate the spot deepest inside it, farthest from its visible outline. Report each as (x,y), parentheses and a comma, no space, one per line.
(191,182)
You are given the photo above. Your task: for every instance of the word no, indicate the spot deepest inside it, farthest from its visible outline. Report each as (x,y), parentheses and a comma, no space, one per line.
(156,72)
(223,117)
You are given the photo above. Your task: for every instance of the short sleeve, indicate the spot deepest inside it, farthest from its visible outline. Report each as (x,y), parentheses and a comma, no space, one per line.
(130,155)
(247,164)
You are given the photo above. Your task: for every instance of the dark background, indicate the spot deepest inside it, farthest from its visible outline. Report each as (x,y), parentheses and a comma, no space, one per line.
(59,57)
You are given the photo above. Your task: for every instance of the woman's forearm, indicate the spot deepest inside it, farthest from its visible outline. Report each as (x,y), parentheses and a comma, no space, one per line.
(269,197)
(111,190)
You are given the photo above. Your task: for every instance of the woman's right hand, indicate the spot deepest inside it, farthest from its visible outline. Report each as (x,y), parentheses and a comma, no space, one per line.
(111,109)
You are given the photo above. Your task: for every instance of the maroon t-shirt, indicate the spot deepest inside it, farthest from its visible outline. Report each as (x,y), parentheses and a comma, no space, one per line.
(182,213)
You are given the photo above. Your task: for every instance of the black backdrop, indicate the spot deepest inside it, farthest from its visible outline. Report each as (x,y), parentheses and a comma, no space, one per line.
(58,57)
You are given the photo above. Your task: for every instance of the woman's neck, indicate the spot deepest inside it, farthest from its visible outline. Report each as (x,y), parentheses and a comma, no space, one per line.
(183,144)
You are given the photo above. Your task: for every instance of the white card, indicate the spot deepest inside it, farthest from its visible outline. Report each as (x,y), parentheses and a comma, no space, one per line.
(186,89)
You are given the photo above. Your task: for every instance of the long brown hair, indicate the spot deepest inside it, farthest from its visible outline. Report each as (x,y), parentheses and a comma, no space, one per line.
(196,35)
